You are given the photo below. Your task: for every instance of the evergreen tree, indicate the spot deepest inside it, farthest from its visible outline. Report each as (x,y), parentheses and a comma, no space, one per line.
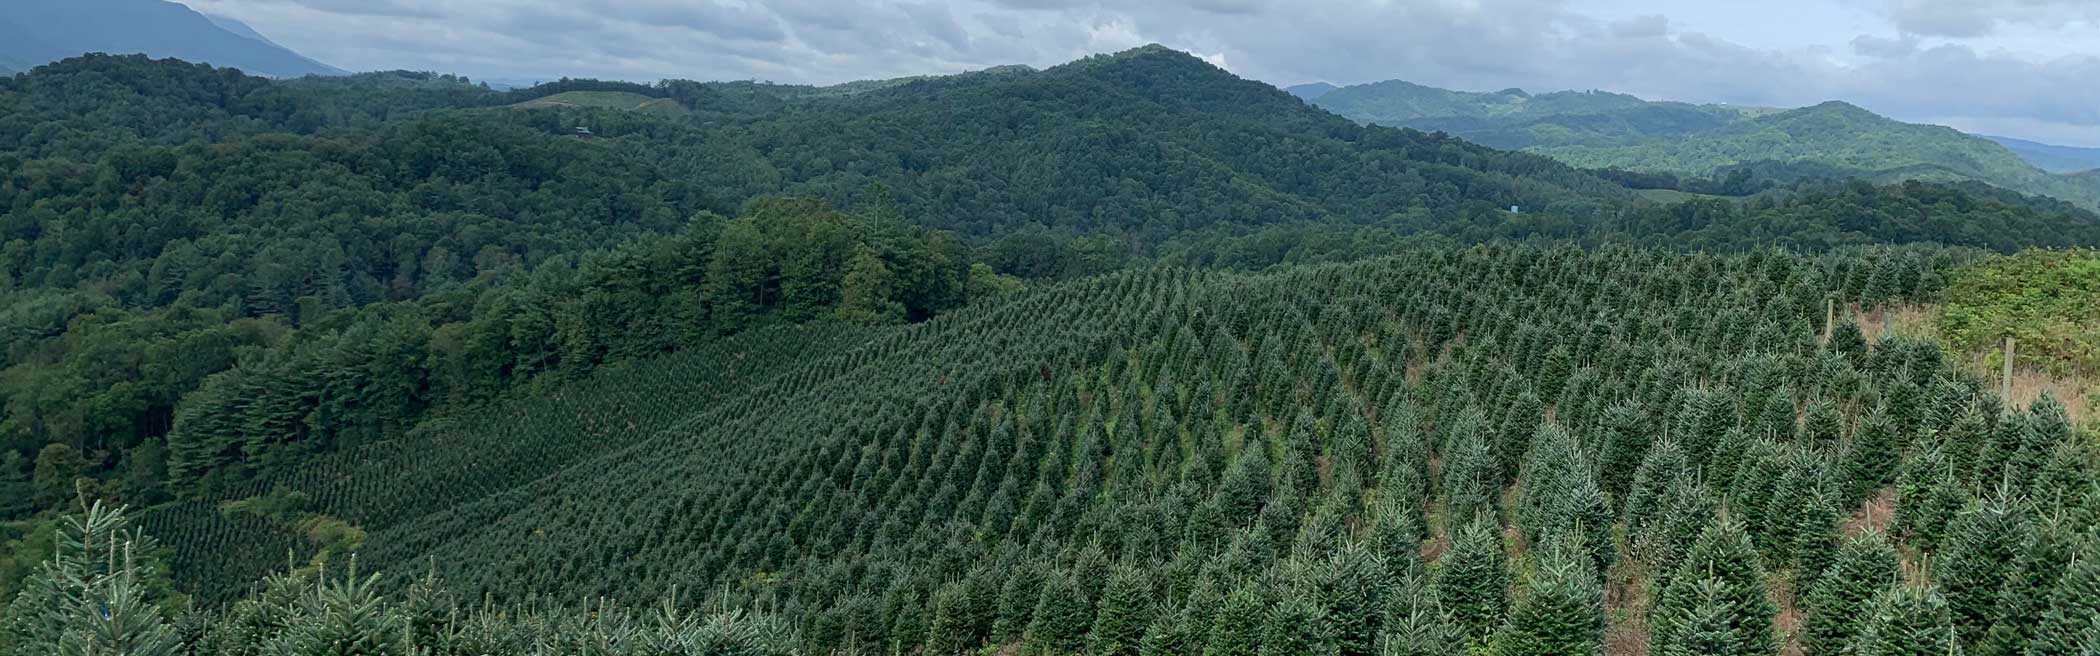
(1723,561)
(2068,627)
(1121,617)
(1472,579)
(1353,586)
(1907,621)
(1983,544)
(1238,627)
(1560,612)
(1061,618)
(1626,444)
(92,597)
(1297,626)
(1870,461)
(1836,606)
(2041,565)
(1822,427)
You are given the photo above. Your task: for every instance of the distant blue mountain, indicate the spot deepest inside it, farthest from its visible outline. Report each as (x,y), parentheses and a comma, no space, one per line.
(1310,92)
(2050,157)
(34,32)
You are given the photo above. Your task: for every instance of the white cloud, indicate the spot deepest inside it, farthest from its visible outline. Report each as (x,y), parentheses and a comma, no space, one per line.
(1988,62)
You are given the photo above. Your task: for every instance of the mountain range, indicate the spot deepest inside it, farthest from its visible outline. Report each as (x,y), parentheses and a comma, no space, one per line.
(34,32)
(1599,129)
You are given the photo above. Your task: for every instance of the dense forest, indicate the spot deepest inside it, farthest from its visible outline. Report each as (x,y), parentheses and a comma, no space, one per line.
(1128,355)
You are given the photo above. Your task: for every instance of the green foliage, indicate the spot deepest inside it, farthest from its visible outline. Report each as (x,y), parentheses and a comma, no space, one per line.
(1559,612)
(1838,605)
(2045,299)
(1717,596)
(1907,621)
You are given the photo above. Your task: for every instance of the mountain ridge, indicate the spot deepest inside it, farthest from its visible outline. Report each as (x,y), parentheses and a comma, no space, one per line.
(1611,130)
(35,32)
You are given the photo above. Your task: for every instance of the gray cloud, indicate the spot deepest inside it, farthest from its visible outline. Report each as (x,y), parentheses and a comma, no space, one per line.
(1926,60)
(1975,18)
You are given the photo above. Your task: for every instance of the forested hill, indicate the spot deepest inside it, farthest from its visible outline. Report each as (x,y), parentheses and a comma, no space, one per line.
(1600,129)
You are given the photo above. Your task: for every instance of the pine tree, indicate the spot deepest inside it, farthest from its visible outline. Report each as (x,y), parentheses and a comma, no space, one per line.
(1561,611)
(1472,578)
(1121,617)
(1705,621)
(1906,621)
(1836,605)
(1723,559)
(1662,467)
(1170,634)
(1017,599)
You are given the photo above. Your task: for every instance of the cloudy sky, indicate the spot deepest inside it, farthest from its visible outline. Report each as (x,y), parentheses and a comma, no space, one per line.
(2026,68)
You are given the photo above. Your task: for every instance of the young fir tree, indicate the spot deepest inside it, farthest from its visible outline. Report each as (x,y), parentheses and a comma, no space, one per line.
(1871,459)
(1061,618)
(2042,564)
(1121,617)
(92,597)
(1822,426)
(1416,624)
(1835,607)
(2072,623)
(1906,621)
(1724,558)
(1662,467)
(1353,586)
(1561,610)
(1472,578)
(1236,630)
(1705,621)
(1983,544)
(1626,444)
(1298,626)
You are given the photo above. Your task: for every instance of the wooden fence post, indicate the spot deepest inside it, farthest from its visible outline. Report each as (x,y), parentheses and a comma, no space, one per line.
(2005,384)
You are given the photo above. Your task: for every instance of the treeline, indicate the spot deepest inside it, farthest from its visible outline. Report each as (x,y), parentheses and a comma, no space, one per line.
(374,372)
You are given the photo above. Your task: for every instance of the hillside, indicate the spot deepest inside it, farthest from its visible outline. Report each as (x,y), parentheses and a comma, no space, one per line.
(1600,129)
(33,32)
(2052,158)
(1200,450)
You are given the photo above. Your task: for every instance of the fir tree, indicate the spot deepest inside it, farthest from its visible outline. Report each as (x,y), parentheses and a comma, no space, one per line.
(1906,621)
(1561,611)
(1121,617)
(1472,578)
(1836,605)
(1871,459)
(1297,626)
(1983,544)
(1723,561)
(2068,628)
(1237,628)
(1061,618)
(2041,565)
(1353,586)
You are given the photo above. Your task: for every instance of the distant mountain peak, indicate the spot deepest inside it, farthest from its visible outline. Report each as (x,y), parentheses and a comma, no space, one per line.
(34,32)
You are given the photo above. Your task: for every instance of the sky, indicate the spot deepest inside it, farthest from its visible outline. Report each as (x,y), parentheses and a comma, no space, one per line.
(2022,68)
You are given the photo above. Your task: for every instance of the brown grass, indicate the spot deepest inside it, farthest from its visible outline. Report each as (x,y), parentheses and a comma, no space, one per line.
(2029,383)
(1789,620)
(1876,514)
(1626,610)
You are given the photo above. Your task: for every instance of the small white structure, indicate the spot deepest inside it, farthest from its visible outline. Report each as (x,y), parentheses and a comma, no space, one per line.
(1516,210)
